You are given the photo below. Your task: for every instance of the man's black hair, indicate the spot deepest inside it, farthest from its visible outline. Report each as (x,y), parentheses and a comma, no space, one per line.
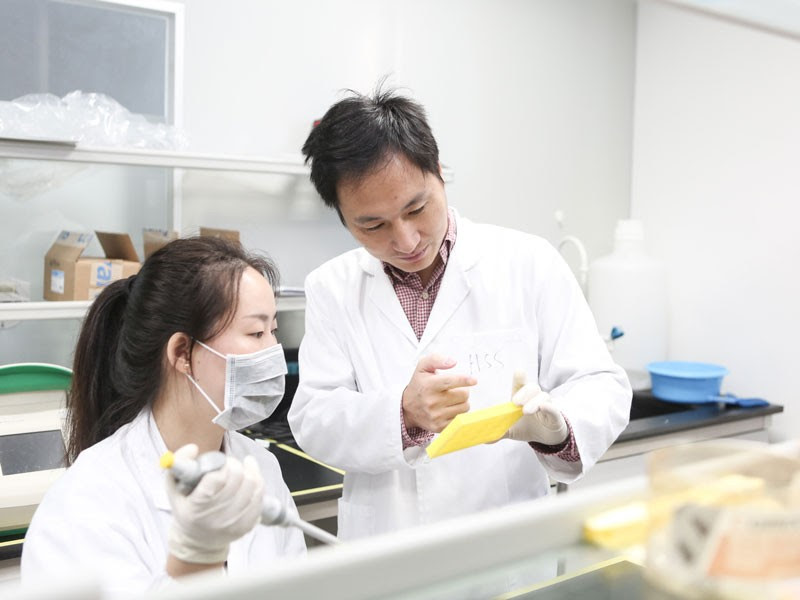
(361,133)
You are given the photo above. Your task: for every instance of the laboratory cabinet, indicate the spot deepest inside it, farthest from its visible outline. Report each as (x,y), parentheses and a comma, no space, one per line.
(46,187)
(49,187)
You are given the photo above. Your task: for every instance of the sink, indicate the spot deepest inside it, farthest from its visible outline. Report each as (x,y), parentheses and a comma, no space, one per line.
(645,405)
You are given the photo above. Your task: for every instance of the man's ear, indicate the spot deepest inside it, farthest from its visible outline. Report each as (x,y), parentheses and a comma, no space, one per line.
(179,352)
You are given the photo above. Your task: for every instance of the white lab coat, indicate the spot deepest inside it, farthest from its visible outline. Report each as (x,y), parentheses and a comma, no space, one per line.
(108,515)
(507,301)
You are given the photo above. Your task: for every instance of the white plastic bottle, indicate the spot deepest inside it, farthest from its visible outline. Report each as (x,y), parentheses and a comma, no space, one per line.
(628,290)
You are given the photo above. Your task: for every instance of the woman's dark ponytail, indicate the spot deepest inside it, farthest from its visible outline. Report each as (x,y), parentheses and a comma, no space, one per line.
(91,398)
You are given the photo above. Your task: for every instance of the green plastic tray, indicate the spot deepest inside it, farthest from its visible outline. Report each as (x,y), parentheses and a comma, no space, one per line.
(33,377)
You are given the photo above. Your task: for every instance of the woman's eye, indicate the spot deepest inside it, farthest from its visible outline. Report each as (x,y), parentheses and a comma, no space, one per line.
(258,335)
(416,211)
(374,227)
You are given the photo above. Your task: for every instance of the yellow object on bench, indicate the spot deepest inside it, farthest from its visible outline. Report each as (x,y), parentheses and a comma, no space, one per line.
(476,427)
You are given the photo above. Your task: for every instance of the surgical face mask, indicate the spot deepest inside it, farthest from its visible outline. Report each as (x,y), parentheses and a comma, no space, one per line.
(254,385)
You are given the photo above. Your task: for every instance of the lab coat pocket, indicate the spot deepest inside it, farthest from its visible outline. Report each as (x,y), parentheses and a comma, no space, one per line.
(491,357)
(355,520)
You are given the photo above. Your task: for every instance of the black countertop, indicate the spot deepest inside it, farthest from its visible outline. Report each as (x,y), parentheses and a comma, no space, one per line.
(307,479)
(651,416)
(622,579)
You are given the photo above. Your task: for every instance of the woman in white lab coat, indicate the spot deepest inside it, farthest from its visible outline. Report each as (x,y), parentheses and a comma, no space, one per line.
(159,366)
(376,369)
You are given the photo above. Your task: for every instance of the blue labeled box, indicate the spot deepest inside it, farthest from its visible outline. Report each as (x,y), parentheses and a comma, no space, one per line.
(68,275)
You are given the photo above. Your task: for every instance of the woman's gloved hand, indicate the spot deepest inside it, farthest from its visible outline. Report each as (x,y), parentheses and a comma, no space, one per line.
(541,422)
(224,506)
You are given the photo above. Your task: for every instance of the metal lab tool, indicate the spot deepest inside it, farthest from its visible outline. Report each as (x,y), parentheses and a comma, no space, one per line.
(188,473)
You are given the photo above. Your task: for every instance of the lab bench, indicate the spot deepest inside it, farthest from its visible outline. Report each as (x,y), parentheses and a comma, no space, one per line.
(316,487)
(536,550)
(658,424)
(655,423)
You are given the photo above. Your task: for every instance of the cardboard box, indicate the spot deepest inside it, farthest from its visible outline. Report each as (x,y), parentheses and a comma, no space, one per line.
(156,238)
(228,234)
(70,276)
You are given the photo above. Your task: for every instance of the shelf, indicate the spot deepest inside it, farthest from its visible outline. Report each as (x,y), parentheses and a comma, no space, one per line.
(44,150)
(66,152)
(35,311)
(39,311)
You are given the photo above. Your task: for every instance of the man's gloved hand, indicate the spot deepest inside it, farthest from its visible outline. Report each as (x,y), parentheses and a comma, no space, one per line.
(541,421)
(224,506)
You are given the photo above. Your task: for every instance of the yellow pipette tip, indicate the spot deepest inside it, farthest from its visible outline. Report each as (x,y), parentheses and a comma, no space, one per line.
(167,460)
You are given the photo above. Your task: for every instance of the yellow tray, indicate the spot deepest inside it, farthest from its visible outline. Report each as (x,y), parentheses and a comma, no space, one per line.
(476,427)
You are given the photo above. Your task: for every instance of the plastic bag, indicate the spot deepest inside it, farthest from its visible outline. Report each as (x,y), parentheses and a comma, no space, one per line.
(89,119)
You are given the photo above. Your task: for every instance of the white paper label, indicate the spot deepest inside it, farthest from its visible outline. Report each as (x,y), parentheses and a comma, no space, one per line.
(57,281)
(491,357)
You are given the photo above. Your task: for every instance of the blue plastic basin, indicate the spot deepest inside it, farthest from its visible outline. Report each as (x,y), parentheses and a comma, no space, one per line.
(683,381)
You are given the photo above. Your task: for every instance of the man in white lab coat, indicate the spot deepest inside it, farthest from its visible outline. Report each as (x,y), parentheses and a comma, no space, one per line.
(434,316)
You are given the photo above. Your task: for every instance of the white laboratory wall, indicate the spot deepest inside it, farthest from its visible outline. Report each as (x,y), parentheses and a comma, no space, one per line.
(530,100)
(716,180)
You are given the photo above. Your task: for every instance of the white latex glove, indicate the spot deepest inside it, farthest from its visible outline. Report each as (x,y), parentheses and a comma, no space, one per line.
(541,421)
(224,506)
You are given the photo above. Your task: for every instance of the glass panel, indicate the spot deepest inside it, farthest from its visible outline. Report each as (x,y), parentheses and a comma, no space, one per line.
(28,452)
(21,37)
(59,47)
(49,341)
(281,215)
(574,572)
(278,214)
(38,199)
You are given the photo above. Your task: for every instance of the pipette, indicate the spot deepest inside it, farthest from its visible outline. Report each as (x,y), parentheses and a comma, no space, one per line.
(188,473)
